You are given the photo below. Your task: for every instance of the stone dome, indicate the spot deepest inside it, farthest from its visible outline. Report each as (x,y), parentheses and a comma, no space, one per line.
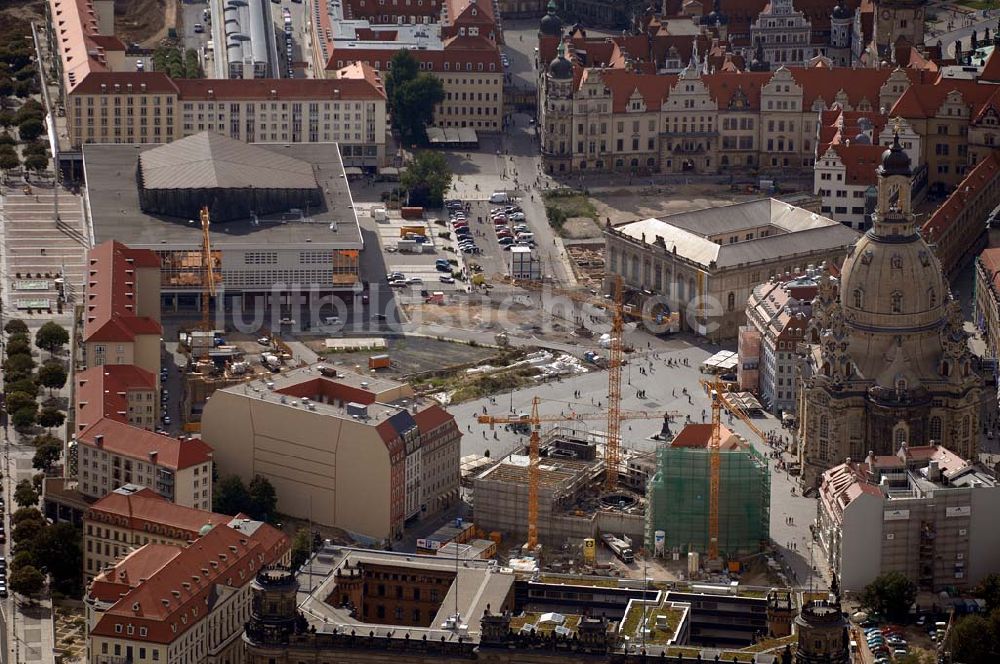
(561,68)
(840,12)
(551,25)
(895,161)
(892,284)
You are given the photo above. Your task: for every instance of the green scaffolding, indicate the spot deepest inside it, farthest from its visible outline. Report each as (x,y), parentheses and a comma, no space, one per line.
(678,501)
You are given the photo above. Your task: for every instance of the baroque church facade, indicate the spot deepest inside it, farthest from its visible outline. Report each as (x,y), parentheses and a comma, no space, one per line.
(890,363)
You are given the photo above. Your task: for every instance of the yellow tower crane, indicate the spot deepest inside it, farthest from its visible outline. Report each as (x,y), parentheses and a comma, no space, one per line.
(718,393)
(534,420)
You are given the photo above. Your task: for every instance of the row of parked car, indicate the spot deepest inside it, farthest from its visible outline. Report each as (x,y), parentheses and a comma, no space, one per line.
(885,643)
(460,228)
(510,225)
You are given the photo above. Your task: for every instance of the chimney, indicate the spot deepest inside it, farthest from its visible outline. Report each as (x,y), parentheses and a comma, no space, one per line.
(934,471)
(153,455)
(99,440)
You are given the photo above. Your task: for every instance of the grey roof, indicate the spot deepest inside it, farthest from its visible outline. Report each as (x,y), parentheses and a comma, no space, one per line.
(114,213)
(208,160)
(793,231)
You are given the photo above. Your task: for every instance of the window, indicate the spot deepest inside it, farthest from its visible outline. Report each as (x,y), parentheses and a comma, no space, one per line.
(896,302)
(934,429)
(731,301)
(899,436)
(859,298)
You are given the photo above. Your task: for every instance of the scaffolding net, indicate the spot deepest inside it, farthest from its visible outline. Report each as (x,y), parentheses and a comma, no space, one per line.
(678,501)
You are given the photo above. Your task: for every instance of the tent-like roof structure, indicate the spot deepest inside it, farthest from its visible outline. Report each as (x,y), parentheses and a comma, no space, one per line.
(214,161)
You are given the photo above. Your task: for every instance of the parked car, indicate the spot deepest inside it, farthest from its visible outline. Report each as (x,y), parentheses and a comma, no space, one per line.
(447,279)
(414,280)
(443,268)
(199,28)
(517,216)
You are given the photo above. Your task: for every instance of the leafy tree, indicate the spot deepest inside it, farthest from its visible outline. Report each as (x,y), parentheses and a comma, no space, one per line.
(263,498)
(427,178)
(29,110)
(988,589)
(19,337)
(25,532)
(51,337)
(35,147)
(9,160)
(19,364)
(24,89)
(231,496)
(22,558)
(57,549)
(412,96)
(30,129)
(890,595)
(52,375)
(972,641)
(6,119)
(26,580)
(301,547)
(25,494)
(24,419)
(18,346)
(49,418)
(26,514)
(16,326)
(6,86)
(36,162)
(46,454)
(18,400)
(26,385)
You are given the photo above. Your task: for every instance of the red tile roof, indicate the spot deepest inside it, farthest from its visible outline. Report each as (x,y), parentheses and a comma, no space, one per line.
(132,570)
(281,88)
(104,82)
(941,222)
(860,161)
(991,71)
(129,441)
(110,293)
(990,259)
(148,511)
(457,52)
(183,585)
(922,100)
(101,391)
(432,417)
(826,83)
(698,436)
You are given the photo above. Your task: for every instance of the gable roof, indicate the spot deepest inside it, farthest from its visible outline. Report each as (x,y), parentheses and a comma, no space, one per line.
(175,597)
(126,440)
(111,301)
(945,216)
(922,100)
(145,510)
(102,391)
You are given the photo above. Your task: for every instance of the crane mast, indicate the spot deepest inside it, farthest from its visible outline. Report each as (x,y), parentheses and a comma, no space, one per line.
(612,452)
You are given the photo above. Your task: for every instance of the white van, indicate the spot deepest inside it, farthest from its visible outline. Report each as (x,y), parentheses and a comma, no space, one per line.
(525,237)
(499,197)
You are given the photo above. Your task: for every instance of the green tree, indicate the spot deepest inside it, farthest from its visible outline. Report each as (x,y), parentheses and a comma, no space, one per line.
(427,178)
(972,641)
(231,496)
(263,498)
(412,96)
(22,558)
(51,337)
(25,532)
(9,160)
(46,454)
(18,346)
(29,110)
(16,326)
(49,418)
(6,86)
(27,581)
(52,375)
(301,547)
(988,590)
(24,419)
(22,365)
(18,400)
(35,147)
(26,385)
(30,129)
(57,549)
(23,514)
(25,494)
(890,595)
(36,162)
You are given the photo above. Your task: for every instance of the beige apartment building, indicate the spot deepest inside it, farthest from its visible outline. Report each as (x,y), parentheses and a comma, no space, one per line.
(111,453)
(343,450)
(121,319)
(704,263)
(176,604)
(110,96)
(122,392)
(695,121)
(132,516)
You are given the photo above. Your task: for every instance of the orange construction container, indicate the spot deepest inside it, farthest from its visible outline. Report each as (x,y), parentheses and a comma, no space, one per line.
(412,212)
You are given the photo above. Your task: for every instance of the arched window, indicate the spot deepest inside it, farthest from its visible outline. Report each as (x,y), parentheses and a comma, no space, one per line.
(859,298)
(900,385)
(899,435)
(896,302)
(945,368)
(935,429)
(731,302)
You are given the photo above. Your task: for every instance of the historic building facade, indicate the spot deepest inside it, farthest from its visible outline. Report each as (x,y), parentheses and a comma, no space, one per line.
(890,362)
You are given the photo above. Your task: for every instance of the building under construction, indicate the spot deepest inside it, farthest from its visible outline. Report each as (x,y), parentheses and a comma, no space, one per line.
(677,515)
(572,502)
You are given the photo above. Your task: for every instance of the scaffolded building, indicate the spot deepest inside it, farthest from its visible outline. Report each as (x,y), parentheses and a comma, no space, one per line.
(678,495)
